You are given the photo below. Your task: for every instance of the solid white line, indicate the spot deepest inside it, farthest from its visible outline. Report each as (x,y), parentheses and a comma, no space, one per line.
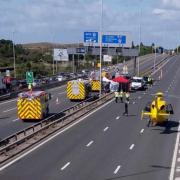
(105,129)
(5,102)
(89,143)
(52,137)
(9,110)
(131,147)
(117,169)
(65,166)
(15,120)
(174,156)
(62,93)
(142,130)
(117,117)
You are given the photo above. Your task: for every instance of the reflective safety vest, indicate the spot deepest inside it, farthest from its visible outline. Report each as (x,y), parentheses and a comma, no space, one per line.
(121,94)
(127,95)
(116,94)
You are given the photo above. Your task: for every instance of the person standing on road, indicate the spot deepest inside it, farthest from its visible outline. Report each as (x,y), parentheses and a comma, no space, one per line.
(121,96)
(127,95)
(126,107)
(116,94)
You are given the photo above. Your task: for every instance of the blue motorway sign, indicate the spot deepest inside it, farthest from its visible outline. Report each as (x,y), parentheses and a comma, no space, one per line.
(91,37)
(114,39)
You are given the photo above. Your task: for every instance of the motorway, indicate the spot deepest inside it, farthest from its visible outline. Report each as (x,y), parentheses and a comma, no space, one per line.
(107,145)
(9,122)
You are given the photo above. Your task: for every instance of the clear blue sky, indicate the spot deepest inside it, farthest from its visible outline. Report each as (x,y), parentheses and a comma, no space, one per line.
(64,21)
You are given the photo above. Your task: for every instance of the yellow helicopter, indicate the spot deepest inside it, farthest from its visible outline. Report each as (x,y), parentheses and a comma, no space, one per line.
(158,110)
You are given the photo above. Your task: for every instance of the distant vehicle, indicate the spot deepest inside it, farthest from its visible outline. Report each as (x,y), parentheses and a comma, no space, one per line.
(158,111)
(137,83)
(37,83)
(78,89)
(33,105)
(61,78)
(22,84)
(2,85)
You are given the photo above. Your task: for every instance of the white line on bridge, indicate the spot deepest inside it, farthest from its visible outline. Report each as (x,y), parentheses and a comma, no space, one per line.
(171,177)
(65,166)
(89,143)
(117,169)
(105,129)
(117,117)
(14,120)
(142,130)
(131,147)
(9,110)
(52,137)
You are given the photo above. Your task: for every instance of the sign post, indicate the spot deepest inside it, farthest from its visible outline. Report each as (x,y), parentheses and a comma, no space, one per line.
(29,79)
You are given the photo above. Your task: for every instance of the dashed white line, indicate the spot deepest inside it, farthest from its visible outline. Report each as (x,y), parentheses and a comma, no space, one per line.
(142,130)
(131,147)
(15,120)
(52,137)
(9,110)
(117,117)
(65,166)
(105,129)
(89,143)
(117,169)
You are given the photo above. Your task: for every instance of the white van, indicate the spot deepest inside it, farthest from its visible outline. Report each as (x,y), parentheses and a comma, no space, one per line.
(137,83)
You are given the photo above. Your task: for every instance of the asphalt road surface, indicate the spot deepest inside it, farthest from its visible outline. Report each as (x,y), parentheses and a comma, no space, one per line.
(9,122)
(107,145)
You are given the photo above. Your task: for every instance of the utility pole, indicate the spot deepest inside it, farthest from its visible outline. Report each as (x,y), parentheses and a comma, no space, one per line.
(14,56)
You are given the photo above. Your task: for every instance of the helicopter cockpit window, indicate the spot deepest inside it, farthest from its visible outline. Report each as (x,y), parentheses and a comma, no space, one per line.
(148,107)
(169,109)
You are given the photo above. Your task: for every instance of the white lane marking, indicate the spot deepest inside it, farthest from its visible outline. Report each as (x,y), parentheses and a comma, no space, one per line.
(9,110)
(178,159)
(142,130)
(65,166)
(178,178)
(105,129)
(57,88)
(131,147)
(52,137)
(89,143)
(117,117)
(117,169)
(62,93)
(8,101)
(171,177)
(133,102)
(178,169)
(139,97)
(15,120)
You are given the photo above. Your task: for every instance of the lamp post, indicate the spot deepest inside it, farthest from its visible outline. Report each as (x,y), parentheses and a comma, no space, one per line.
(140,14)
(100,46)
(14,55)
(154,57)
